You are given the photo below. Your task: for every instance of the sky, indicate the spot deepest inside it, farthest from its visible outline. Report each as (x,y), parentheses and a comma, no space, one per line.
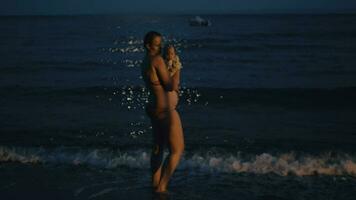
(72,7)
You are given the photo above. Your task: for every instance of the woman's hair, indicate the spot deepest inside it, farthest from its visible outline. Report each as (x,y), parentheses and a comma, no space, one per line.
(149,38)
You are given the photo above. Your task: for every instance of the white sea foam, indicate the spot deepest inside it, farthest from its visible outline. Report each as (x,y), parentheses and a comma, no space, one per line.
(282,164)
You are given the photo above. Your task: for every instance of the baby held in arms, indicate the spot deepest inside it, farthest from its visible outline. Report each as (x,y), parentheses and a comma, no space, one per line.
(174,65)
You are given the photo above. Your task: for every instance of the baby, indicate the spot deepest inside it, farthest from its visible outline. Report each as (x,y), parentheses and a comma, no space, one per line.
(172,60)
(173,65)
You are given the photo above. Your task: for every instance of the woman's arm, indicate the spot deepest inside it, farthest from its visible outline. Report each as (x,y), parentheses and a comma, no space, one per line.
(162,73)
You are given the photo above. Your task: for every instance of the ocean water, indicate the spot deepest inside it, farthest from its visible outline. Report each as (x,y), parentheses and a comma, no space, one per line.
(267,105)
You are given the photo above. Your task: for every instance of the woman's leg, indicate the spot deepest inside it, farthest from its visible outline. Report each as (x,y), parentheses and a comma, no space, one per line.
(159,129)
(176,148)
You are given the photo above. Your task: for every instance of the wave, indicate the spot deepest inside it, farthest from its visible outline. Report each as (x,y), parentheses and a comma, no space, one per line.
(283,164)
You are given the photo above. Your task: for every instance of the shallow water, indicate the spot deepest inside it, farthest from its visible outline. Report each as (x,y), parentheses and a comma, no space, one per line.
(267,106)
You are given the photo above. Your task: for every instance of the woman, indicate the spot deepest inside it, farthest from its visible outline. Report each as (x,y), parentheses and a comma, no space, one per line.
(166,124)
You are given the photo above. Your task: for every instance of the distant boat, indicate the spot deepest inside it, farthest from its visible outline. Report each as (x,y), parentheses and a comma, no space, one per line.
(198,21)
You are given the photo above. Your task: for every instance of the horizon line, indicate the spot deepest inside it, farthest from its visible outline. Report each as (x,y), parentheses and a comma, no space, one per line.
(196,12)
(187,13)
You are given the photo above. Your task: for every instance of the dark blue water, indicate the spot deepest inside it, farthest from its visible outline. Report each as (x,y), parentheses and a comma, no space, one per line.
(267,106)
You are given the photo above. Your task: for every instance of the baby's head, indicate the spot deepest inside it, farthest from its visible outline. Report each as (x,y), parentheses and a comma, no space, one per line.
(169,52)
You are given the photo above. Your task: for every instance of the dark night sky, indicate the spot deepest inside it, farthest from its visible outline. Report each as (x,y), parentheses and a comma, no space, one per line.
(44,7)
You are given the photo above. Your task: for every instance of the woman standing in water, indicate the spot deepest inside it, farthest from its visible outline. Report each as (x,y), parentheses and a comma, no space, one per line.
(166,124)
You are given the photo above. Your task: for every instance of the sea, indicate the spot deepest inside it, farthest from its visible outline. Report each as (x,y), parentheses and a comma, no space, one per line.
(267,103)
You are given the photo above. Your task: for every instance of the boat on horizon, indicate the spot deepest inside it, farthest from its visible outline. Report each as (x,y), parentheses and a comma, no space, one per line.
(198,21)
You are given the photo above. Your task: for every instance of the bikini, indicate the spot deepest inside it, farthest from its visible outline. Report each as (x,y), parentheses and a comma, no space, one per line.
(155,83)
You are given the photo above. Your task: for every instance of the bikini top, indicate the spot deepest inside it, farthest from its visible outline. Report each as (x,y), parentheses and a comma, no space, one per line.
(173,66)
(157,82)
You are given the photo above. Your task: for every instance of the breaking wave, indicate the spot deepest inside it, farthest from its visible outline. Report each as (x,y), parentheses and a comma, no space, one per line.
(283,164)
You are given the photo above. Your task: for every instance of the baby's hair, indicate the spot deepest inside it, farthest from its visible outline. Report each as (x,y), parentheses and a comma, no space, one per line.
(165,49)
